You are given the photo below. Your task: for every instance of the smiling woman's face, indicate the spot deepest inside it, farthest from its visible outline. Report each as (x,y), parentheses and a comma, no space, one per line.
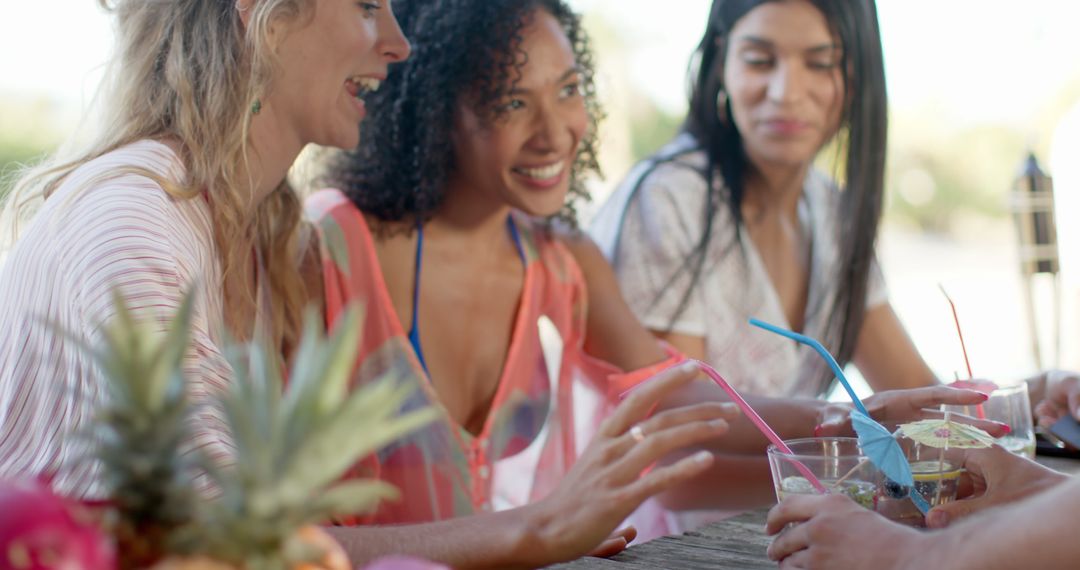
(783,76)
(524,156)
(326,62)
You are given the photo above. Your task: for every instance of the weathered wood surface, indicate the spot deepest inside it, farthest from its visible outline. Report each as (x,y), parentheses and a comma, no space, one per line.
(739,542)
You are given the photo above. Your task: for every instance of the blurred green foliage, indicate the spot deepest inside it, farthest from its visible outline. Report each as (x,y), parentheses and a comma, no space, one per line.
(651,130)
(935,174)
(29,129)
(14,155)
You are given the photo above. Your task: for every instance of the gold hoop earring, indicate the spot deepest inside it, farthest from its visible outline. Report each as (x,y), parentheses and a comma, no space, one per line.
(722,105)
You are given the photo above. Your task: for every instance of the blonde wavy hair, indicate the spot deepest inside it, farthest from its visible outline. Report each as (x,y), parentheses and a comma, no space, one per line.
(190,71)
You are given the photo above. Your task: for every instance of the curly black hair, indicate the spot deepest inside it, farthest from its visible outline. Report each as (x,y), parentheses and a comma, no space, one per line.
(465,52)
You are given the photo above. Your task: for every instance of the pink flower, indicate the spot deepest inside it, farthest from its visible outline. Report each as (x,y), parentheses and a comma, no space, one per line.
(404,563)
(41,531)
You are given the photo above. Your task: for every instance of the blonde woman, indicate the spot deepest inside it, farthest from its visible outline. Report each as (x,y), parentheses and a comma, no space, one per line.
(208,104)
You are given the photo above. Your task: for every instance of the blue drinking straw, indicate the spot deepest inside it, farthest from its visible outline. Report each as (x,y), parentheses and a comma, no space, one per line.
(885,448)
(820,350)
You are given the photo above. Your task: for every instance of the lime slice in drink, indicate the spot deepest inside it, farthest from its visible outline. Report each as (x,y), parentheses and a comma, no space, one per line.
(933,470)
(861,492)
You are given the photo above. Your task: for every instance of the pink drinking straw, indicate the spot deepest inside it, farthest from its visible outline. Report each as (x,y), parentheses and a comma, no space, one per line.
(956,319)
(760,423)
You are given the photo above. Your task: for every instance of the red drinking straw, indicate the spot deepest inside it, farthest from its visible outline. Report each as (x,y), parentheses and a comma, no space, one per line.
(956,319)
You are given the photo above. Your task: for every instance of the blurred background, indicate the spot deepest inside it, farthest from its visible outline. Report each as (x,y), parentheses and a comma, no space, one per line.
(974,86)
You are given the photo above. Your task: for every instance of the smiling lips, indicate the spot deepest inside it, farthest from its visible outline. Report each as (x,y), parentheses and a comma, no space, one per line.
(542,177)
(785,127)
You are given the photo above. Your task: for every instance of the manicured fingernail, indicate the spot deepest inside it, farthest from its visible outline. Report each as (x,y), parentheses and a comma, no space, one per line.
(689,366)
(985,397)
(1005,427)
(718,425)
(703,457)
(818,429)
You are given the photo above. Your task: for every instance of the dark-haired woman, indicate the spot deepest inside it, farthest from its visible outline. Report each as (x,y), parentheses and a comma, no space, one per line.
(443,228)
(732,220)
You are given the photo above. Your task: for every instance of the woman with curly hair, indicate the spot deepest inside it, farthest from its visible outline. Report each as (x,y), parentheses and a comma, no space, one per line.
(481,306)
(450,227)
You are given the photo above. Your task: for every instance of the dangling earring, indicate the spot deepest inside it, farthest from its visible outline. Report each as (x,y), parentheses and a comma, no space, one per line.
(721,105)
(256,107)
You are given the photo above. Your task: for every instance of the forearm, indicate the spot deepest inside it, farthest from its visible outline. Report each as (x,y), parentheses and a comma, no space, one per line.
(1035,533)
(790,418)
(886,355)
(494,540)
(911,374)
(734,482)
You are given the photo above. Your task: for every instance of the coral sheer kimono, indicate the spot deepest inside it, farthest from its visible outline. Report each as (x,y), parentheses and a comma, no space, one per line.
(548,403)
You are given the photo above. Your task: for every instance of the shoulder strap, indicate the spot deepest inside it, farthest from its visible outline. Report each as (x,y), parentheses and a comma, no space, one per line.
(606,231)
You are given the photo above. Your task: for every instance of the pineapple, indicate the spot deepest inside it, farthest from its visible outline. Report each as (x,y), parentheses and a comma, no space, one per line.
(293,446)
(139,431)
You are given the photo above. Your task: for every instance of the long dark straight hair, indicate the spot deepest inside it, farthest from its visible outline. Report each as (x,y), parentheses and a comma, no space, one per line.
(860,144)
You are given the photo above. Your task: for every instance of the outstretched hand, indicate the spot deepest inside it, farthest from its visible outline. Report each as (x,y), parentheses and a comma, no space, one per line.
(617,471)
(901,406)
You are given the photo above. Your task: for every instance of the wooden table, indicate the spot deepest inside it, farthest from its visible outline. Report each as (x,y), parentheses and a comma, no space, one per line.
(738,542)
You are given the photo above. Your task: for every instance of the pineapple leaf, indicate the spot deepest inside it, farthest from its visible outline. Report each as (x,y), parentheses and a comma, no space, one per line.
(292,447)
(352,497)
(140,428)
(266,386)
(319,376)
(306,359)
(239,405)
(169,356)
(322,369)
(339,444)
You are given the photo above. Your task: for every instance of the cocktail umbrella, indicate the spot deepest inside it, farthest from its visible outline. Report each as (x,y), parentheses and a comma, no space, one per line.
(885,452)
(875,440)
(943,434)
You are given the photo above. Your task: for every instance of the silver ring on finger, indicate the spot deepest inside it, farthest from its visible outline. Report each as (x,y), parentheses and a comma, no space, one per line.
(637,433)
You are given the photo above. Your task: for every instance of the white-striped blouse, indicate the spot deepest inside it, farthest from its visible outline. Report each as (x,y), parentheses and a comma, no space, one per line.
(104,228)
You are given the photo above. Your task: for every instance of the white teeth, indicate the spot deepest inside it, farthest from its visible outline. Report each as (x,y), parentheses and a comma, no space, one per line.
(543,173)
(365,85)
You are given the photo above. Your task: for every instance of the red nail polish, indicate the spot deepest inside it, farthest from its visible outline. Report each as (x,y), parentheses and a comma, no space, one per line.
(1007,429)
(985,397)
(817,430)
